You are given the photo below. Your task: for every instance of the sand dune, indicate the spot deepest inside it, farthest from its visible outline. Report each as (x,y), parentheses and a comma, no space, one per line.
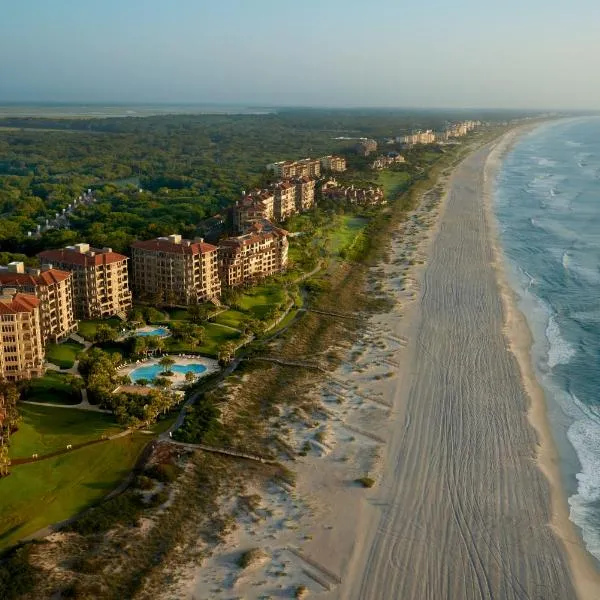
(464,509)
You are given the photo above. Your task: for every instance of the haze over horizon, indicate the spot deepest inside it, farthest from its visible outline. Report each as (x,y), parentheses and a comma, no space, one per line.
(336,53)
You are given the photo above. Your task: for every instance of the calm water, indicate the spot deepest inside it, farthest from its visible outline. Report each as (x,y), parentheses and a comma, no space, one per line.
(151,372)
(158,332)
(548,206)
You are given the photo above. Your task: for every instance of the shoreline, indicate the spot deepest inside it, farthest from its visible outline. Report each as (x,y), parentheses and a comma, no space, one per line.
(584,572)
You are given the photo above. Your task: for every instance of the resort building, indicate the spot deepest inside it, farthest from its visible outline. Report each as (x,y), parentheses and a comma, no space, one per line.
(255,206)
(54,290)
(387,160)
(175,271)
(354,195)
(333,163)
(285,200)
(305,193)
(100,279)
(365,147)
(21,349)
(307,167)
(253,256)
(419,137)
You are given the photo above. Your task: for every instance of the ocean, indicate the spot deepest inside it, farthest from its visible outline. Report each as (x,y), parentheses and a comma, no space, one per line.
(547,201)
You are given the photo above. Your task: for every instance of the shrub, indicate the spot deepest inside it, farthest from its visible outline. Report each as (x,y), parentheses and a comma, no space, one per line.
(366,482)
(163,472)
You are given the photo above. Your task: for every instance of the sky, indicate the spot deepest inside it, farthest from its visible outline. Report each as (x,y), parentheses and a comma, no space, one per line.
(393,53)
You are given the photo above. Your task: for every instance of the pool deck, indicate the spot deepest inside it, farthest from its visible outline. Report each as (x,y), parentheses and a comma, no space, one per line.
(178,379)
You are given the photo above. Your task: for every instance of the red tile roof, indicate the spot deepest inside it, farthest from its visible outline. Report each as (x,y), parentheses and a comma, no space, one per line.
(19,304)
(172,248)
(49,277)
(66,256)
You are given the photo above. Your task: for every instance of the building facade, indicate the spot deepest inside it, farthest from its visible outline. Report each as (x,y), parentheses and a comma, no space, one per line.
(100,279)
(365,147)
(285,200)
(21,347)
(253,256)
(307,167)
(336,164)
(305,193)
(54,290)
(175,271)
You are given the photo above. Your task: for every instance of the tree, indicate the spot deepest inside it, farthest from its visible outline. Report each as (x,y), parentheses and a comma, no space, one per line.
(105,333)
(166,362)
(190,377)
(162,382)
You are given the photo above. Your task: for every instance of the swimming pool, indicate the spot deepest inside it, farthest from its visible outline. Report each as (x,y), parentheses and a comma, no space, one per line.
(151,372)
(157,331)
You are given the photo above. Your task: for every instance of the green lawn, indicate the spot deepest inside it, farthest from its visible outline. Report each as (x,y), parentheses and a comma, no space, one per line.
(393,182)
(36,495)
(231,317)
(345,230)
(53,388)
(260,299)
(178,314)
(64,354)
(87,329)
(215,336)
(45,429)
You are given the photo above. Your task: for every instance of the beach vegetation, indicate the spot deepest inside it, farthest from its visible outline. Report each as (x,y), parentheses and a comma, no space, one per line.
(366,482)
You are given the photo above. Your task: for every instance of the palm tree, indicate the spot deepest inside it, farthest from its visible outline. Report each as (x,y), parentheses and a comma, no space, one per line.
(166,362)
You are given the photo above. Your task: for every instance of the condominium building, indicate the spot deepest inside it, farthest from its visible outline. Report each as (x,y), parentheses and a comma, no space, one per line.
(249,257)
(255,206)
(419,137)
(54,290)
(305,193)
(333,163)
(21,349)
(366,146)
(285,200)
(175,271)
(100,279)
(307,167)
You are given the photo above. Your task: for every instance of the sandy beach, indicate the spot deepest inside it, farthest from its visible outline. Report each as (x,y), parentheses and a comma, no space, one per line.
(437,403)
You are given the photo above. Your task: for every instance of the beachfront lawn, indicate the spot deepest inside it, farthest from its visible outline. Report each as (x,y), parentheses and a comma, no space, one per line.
(38,494)
(231,318)
(53,388)
(345,232)
(64,354)
(45,429)
(393,182)
(260,300)
(214,337)
(87,329)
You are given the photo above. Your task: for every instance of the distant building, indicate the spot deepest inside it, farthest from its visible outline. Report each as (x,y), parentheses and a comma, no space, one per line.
(418,137)
(100,279)
(333,163)
(54,290)
(307,167)
(354,195)
(175,270)
(253,256)
(365,147)
(21,348)
(385,161)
